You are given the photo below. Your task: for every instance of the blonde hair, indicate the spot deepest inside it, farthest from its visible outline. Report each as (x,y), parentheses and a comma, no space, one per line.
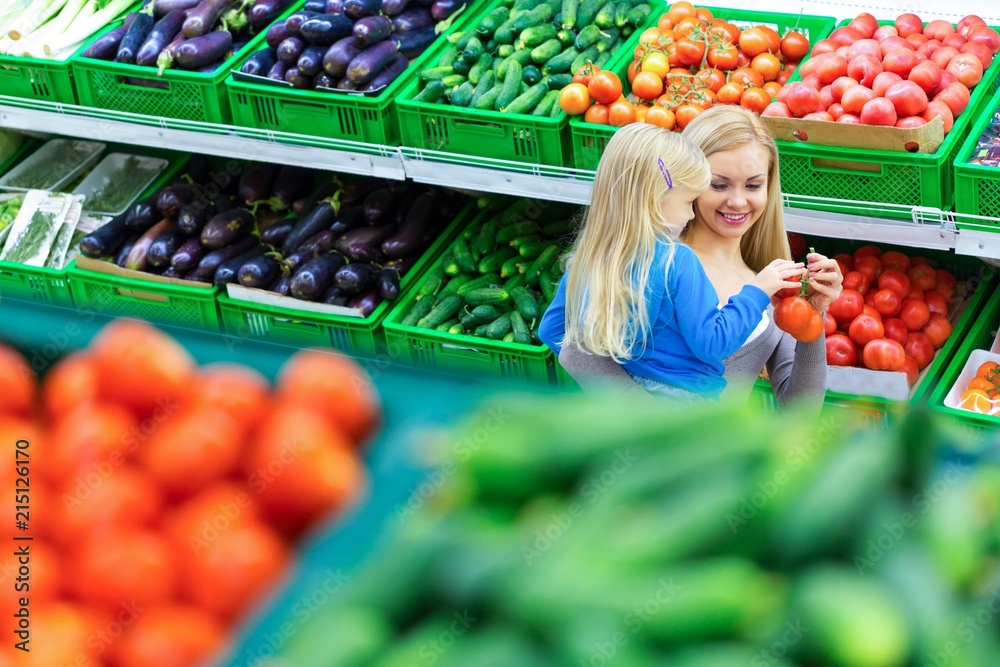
(728,127)
(608,267)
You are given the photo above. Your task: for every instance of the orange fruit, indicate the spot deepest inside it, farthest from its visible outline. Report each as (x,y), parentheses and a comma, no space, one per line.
(91,439)
(121,566)
(170,635)
(334,385)
(18,384)
(989,370)
(212,511)
(976,400)
(127,497)
(981,383)
(238,390)
(71,382)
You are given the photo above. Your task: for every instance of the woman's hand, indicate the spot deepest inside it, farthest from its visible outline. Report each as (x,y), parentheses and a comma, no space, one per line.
(825,280)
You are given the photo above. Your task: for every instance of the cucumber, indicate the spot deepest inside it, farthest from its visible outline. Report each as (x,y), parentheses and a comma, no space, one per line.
(510,232)
(637,15)
(509,338)
(525,302)
(522,57)
(482,66)
(462,39)
(486,239)
(499,328)
(441,312)
(548,285)
(520,330)
(484,314)
(586,57)
(511,84)
(452,287)
(432,93)
(493,20)
(510,267)
(543,261)
(448,264)
(496,260)
(505,33)
(462,96)
(561,63)
(527,101)
(453,81)
(569,11)
(537,35)
(419,311)
(524,240)
(463,256)
(481,330)
(514,283)
(548,103)
(457,330)
(485,84)
(533,249)
(548,259)
(472,51)
(446,327)
(556,82)
(536,17)
(603,59)
(488,101)
(436,73)
(478,283)
(608,39)
(531,75)
(432,283)
(558,228)
(621,13)
(587,11)
(587,37)
(546,51)
(556,110)
(566,37)
(461,66)
(505,50)
(491,296)
(449,56)
(606,16)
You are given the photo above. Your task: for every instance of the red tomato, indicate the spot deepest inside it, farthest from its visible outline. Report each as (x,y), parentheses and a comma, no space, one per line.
(777,110)
(846,262)
(955,41)
(831,67)
(755,99)
(855,99)
(967,68)
(825,98)
(938,29)
(894,280)
(723,57)
(621,113)
(883,81)
(824,46)
(864,23)
(908,24)
(870,266)
(939,108)
(956,96)
(928,48)
(917,40)
(911,370)
(883,355)
(896,330)
(801,98)
(845,36)
(865,46)
(690,52)
(835,111)
(867,251)
(849,118)
(794,46)
(967,23)
(574,99)
(838,87)
(982,34)
(646,86)
(884,31)
(895,260)
(943,55)
(980,51)
(605,87)
(887,302)
(597,114)
(936,302)
(920,348)
(865,328)
(937,329)
(915,314)
(831,325)
(797,317)
(753,41)
(927,75)
(857,281)
(899,61)
(864,67)
(840,350)
(947,78)
(869,309)
(848,305)
(895,43)
(878,111)
(907,97)
(812,81)
(746,76)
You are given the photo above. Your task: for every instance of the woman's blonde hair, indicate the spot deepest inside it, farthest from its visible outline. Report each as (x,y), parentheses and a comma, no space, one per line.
(608,267)
(728,127)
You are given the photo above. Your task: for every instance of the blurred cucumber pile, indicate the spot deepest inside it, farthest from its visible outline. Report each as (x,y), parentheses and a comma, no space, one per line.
(359,45)
(496,280)
(520,56)
(694,538)
(279,229)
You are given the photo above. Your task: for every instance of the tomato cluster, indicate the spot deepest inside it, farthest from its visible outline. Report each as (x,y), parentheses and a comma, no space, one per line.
(901,75)
(178,490)
(690,61)
(982,394)
(892,313)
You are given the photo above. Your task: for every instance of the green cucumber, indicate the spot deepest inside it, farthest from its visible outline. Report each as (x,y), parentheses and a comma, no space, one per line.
(531,75)
(488,101)
(606,16)
(452,287)
(603,59)
(515,282)
(444,328)
(548,285)
(536,17)
(461,40)
(511,84)
(527,101)
(463,255)
(433,92)
(495,261)
(621,13)
(587,37)
(499,328)
(478,283)
(419,310)
(448,57)
(637,15)
(587,11)
(436,73)
(472,51)
(546,51)
(520,330)
(525,302)
(537,35)
(461,66)
(486,84)
(481,330)
(443,311)
(457,330)
(453,81)
(524,240)
(490,46)
(505,50)
(432,283)
(486,239)
(548,103)
(481,67)
(561,63)
(558,228)
(493,296)
(608,39)
(569,12)
(484,314)
(533,249)
(510,232)
(462,96)
(522,57)
(489,24)
(510,267)
(556,82)
(566,37)
(505,33)
(587,56)
(448,264)
(509,338)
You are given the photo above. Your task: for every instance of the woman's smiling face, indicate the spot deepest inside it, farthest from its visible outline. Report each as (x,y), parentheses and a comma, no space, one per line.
(737,195)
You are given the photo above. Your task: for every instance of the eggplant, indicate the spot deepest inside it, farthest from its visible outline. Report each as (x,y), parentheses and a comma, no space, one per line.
(106,239)
(224,203)
(290,50)
(363,244)
(298,79)
(163,33)
(199,169)
(163,7)
(413,19)
(267,217)
(276,34)
(235,48)
(324,80)
(320,218)
(259,272)
(409,236)
(366,65)
(333,292)
(379,205)
(290,184)
(412,41)
(164,247)
(355,193)
(356,278)
(318,6)
(106,46)
(277,72)
(167,56)
(171,272)
(282,286)
(192,217)
(138,256)
(334,7)
(263,12)
(275,235)
(394,7)
(327,189)
(405,202)
(203,18)
(170,201)
(346,84)
(211,262)
(388,75)
(442,9)
(126,248)
(359,9)
(401,266)
(201,51)
(310,63)
(260,63)
(226,228)
(257,181)
(227,271)
(318,244)
(188,255)
(325,29)
(339,56)
(371,29)
(135,36)
(341,301)
(142,215)
(293,24)
(366,302)
(388,284)
(348,219)
(315,276)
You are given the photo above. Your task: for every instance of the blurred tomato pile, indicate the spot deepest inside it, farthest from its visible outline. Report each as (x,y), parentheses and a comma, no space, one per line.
(165,497)
(902,75)
(690,61)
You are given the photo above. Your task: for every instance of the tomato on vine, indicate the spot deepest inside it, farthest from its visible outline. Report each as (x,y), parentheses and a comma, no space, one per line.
(690,51)
(686,113)
(722,56)
(586,73)
(755,99)
(647,86)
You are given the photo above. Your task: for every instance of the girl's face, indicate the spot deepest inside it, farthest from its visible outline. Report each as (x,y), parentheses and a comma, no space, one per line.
(737,195)
(676,207)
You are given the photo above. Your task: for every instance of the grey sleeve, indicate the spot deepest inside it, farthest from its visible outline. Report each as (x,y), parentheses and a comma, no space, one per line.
(798,371)
(596,373)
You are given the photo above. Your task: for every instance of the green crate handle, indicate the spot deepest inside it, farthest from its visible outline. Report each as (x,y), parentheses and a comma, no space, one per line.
(292,325)
(485,127)
(158,88)
(128,294)
(306,106)
(829,165)
(12,277)
(453,350)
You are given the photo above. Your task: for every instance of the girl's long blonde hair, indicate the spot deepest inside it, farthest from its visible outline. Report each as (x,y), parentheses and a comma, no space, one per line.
(727,127)
(608,267)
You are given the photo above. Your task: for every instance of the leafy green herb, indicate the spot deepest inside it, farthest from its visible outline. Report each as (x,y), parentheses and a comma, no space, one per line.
(44,175)
(125,184)
(32,238)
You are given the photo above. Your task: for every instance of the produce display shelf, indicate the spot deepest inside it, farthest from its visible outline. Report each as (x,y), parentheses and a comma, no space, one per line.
(338,115)
(28,144)
(589,139)
(977,187)
(361,337)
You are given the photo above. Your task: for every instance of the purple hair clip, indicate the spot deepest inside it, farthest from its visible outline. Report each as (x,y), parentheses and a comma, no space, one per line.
(666,173)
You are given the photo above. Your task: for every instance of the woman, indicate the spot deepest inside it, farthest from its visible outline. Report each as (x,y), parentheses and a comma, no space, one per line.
(738,228)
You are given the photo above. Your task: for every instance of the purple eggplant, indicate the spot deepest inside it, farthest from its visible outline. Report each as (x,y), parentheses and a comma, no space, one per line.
(257,181)
(413,19)
(334,7)
(167,56)
(282,286)
(126,248)
(355,278)
(163,33)
(228,270)
(188,255)
(211,262)
(275,235)
(318,244)
(316,275)
(203,18)
(205,50)
(276,34)
(354,194)
(260,63)
(339,56)
(293,24)
(442,9)
(290,50)
(298,79)
(164,247)
(170,201)
(192,217)
(290,184)
(142,215)
(371,29)
(106,46)
(401,266)
(138,256)
(171,272)
(367,64)
(413,42)
(318,6)
(394,7)
(348,219)
(259,272)
(366,302)
(325,29)
(364,244)
(277,71)
(388,75)
(347,84)
(136,36)
(105,240)
(233,49)
(226,228)
(163,7)
(310,63)
(409,236)
(332,294)
(306,204)
(321,217)
(359,9)
(379,204)
(324,80)
(263,12)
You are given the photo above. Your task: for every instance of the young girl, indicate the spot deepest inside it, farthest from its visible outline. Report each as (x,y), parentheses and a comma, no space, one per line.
(636,295)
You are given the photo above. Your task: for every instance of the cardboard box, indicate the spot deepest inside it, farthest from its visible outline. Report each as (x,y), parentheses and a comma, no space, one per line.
(924,139)
(266,298)
(100,266)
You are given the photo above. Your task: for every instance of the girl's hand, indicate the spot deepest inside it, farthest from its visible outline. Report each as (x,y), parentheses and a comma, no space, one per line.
(825,280)
(778,275)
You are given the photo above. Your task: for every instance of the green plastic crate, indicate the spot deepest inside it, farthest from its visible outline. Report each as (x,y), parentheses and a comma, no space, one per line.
(37,79)
(176,94)
(977,187)
(489,134)
(337,115)
(302,328)
(589,139)
(827,173)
